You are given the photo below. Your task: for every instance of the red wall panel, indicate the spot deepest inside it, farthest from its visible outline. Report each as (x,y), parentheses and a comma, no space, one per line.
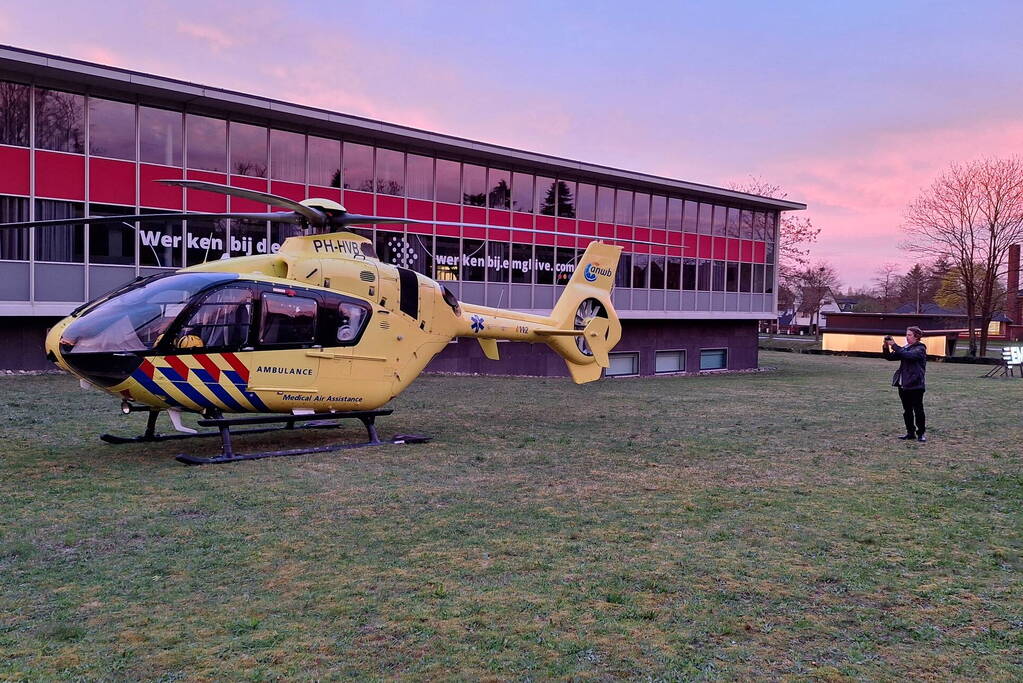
(605,230)
(60,176)
(733,250)
(157,195)
(14,170)
(746,251)
(544,223)
(112,181)
(474,214)
(281,188)
(496,217)
(705,248)
(358,202)
(641,234)
(390,206)
(689,241)
(675,251)
(759,252)
(423,211)
(720,247)
(661,236)
(522,220)
(210,202)
(452,213)
(331,193)
(247,205)
(587,228)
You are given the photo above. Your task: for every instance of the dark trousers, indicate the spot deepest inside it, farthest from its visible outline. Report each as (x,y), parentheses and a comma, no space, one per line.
(913,406)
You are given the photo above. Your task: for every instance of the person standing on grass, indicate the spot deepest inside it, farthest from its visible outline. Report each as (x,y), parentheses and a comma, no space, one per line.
(909,378)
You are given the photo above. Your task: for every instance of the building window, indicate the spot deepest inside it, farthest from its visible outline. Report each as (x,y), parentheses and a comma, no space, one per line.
(605,205)
(60,243)
(772,226)
(210,240)
(14,243)
(546,196)
(497,261)
(287,156)
(623,207)
(720,224)
(161,242)
(474,185)
(544,265)
(731,276)
(499,194)
(474,263)
(640,266)
(759,226)
(160,133)
(419,177)
(732,222)
(746,225)
(248,237)
(623,276)
(566,199)
(449,181)
(689,274)
(522,192)
(673,273)
(14,114)
(111,129)
(448,257)
(564,265)
(111,242)
(390,172)
(769,280)
(641,212)
(713,359)
(717,283)
(705,221)
(675,213)
(358,167)
(703,274)
(522,263)
(586,202)
(758,278)
(324,162)
(207,143)
(60,121)
(745,277)
(658,211)
(669,362)
(623,364)
(248,150)
(657,272)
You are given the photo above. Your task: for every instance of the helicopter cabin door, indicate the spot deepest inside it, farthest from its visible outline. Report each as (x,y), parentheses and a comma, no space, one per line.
(285,363)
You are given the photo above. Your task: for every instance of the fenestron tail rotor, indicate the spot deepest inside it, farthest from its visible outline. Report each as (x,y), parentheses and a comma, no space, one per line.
(587,311)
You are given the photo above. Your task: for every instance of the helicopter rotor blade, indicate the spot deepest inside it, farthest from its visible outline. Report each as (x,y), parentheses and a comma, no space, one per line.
(315,217)
(344,220)
(273,216)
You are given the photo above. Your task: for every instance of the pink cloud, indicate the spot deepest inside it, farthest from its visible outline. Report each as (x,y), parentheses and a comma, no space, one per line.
(213,37)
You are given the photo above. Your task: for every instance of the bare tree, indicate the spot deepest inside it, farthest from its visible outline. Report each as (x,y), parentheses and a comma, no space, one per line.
(886,282)
(817,282)
(971,215)
(795,234)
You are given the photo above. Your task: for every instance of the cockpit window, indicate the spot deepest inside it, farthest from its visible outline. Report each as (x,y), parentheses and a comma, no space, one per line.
(137,318)
(221,321)
(288,320)
(351,319)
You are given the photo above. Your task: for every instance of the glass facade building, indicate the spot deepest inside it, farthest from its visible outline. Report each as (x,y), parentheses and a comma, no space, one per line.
(81,139)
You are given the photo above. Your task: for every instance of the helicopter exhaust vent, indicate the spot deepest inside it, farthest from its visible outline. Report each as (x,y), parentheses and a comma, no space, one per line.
(367,276)
(385,324)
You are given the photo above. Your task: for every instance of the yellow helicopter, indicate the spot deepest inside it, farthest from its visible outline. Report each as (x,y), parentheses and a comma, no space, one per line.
(319,330)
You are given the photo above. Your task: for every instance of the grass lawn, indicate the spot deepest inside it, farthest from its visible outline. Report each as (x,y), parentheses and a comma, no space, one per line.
(728,526)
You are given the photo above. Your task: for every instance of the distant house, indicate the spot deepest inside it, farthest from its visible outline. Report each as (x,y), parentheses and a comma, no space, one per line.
(795,320)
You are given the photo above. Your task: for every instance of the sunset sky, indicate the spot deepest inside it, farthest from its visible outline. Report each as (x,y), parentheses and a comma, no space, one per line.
(853,108)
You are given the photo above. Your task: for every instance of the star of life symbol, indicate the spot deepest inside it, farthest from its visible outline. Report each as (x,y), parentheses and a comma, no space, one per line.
(477,323)
(1012,355)
(402,253)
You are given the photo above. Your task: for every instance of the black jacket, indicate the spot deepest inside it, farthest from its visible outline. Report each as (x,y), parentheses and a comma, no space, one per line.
(913,357)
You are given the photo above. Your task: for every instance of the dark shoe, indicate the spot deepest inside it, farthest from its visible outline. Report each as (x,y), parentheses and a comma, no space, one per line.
(922,438)
(907,437)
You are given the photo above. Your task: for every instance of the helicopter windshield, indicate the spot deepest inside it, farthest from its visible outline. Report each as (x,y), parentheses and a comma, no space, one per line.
(135,319)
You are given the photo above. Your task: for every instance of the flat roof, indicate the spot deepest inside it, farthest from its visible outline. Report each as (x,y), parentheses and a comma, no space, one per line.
(54,70)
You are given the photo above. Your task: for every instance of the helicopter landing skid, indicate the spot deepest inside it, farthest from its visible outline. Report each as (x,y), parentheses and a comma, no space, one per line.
(287,422)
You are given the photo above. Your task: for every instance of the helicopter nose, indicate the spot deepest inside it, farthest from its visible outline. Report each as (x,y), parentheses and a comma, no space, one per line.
(52,345)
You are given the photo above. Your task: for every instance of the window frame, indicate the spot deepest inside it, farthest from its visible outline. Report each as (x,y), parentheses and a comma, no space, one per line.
(635,354)
(714,348)
(682,365)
